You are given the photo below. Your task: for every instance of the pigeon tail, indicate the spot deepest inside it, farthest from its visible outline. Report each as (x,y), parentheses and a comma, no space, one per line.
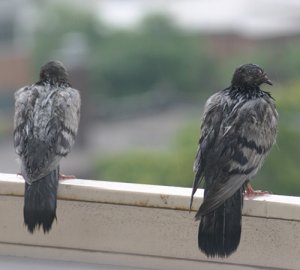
(40,202)
(220,230)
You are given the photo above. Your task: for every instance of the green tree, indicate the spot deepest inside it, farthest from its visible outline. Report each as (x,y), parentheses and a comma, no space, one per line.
(172,167)
(55,22)
(157,57)
(279,174)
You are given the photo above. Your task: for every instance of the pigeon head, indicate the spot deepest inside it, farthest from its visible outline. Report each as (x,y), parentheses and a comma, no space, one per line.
(54,72)
(249,75)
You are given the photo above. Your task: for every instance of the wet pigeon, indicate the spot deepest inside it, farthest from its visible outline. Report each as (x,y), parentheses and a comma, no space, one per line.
(45,126)
(238,130)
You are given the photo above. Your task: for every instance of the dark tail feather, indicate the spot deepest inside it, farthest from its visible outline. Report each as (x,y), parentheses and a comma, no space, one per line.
(220,231)
(40,202)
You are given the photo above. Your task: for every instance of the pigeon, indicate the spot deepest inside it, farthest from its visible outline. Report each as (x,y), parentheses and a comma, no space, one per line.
(238,131)
(45,126)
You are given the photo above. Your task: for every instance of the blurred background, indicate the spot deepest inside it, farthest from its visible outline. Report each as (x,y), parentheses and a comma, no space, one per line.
(145,69)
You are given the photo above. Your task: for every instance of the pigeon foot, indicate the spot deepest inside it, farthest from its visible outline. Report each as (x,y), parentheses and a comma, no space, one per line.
(250,192)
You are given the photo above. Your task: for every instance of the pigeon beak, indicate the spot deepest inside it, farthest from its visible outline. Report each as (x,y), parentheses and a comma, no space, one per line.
(267,80)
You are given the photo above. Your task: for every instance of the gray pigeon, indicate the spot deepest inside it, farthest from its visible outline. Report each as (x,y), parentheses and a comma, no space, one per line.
(45,126)
(238,130)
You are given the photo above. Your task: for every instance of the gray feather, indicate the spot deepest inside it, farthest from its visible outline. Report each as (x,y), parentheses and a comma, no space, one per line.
(233,145)
(238,130)
(45,126)
(239,150)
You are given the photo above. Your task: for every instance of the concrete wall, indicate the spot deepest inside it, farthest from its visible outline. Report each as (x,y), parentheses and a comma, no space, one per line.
(145,226)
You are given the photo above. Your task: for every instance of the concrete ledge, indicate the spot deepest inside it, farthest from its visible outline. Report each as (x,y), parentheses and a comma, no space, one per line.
(146,226)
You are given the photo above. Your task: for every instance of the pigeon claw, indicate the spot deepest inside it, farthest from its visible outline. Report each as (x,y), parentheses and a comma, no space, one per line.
(250,192)
(63,177)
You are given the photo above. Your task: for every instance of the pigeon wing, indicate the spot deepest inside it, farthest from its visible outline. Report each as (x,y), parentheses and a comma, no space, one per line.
(245,139)
(24,105)
(211,122)
(63,126)
(46,124)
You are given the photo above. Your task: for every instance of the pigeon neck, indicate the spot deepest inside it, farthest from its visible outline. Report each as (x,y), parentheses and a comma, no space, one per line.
(245,91)
(63,83)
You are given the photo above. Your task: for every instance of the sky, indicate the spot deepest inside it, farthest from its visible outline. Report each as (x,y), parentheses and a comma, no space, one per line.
(257,18)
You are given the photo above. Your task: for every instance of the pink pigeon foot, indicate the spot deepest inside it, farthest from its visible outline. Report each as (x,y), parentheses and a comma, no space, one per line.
(63,177)
(250,192)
